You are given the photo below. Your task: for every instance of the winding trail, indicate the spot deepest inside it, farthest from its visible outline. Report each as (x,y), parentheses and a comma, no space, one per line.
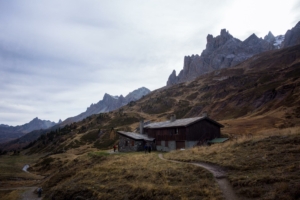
(28,193)
(25,168)
(218,173)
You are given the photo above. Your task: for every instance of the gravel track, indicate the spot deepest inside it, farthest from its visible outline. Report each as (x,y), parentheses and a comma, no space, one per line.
(218,173)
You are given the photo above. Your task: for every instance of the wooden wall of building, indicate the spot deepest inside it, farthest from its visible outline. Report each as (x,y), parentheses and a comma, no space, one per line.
(167,134)
(203,130)
(199,131)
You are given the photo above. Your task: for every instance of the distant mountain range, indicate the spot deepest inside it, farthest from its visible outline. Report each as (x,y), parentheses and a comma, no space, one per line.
(109,103)
(226,51)
(11,132)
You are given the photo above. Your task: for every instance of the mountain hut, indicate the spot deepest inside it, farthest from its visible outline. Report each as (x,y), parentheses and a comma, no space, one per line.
(182,133)
(129,141)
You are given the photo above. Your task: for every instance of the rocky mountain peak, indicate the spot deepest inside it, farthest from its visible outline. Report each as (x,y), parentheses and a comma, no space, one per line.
(110,103)
(36,119)
(223,51)
(214,43)
(292,37)
(252,39)
(137,94)
(270,37)
(172,78)
(37,123)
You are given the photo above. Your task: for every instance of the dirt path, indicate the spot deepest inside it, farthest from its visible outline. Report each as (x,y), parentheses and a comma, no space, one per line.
(28,193)
(219,175)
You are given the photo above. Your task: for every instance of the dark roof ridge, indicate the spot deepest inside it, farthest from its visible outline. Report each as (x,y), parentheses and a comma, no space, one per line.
(135,136)
(180,122)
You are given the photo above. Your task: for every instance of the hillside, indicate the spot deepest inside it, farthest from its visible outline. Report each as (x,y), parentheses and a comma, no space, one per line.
(259,94)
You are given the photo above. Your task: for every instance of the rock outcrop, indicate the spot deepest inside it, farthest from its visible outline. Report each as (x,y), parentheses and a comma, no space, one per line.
(226,51)
(221,52)
(109,103)
(292,37)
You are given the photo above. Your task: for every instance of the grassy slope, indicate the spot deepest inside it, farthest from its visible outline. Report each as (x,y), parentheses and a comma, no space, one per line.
(260,167)
(100,175)
(11,173)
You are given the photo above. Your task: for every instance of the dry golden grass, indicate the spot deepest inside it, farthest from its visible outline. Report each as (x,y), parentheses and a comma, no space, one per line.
(11,173)
(264,166)
(100,175)
(11,194)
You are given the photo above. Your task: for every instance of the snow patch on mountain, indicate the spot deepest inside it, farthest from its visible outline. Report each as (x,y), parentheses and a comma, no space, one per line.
(278,41)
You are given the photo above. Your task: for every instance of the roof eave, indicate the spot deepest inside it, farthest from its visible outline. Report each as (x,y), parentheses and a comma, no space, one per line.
(140,139)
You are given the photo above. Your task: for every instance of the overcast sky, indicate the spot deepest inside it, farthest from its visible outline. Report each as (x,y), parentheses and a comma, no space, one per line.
(57,57)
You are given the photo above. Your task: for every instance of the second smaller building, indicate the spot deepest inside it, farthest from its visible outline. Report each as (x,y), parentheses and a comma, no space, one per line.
(129,141)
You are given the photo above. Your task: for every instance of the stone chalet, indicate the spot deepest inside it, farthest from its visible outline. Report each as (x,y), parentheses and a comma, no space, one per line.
(129,141)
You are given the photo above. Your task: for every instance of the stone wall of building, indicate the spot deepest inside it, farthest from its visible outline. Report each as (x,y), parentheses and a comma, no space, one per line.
(190,144)
(172,145)
(127,144)
(164,147)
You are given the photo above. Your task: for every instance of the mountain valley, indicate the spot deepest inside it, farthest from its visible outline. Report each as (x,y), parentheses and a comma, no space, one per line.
(256,96)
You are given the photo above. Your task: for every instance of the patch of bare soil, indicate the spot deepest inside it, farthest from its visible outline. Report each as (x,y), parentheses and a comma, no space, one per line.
(219,175)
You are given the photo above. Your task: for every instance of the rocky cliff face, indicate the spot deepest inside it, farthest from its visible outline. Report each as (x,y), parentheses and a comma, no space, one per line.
(12,132)
(292,37)
(226,51)
(110,103)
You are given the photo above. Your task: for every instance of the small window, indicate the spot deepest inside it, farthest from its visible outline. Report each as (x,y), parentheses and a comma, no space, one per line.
(126,143)
(176,131)
(132,143)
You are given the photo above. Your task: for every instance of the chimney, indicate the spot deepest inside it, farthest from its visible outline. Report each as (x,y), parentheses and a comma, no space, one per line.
(173,118)
(205,114)
(141,126)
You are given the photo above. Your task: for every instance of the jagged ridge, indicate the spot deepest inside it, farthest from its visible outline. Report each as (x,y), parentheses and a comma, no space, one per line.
(110,103)
(226,51)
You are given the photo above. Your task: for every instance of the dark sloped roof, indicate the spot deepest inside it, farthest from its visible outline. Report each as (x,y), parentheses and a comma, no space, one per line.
(180,123)
(135,136)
